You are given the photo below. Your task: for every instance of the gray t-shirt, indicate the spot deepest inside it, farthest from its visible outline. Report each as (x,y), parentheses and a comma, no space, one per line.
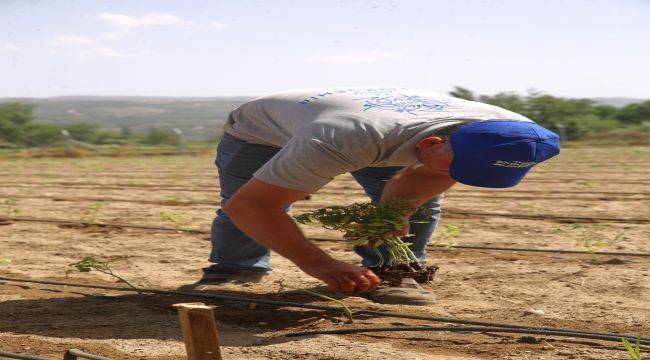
(327,132)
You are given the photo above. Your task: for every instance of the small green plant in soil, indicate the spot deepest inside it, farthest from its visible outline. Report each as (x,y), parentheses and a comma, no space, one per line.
(177,217)
(9,208)
(375,225)
(591,245)
(346,310)
(5,261)
(633,351)
(449,231)
(93,213)
(89,263)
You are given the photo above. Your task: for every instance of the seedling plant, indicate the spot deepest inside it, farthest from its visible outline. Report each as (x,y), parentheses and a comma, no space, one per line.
(449,231)
(346,310)
(9,208)
(93,213)
(633,351)
(367,224)
(175,217)
(89,263)
(374,225)
(591,245)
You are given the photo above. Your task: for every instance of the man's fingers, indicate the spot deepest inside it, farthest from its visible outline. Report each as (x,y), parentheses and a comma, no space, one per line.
(332,283)
(367,281)
(347,284)
(373,278)
(347,278)
(363,284)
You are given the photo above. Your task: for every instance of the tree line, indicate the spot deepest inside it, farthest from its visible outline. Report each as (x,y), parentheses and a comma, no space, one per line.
(573,118)
(17,129)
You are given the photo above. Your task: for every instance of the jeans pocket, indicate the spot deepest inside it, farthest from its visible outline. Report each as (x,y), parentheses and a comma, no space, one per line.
(241,159)
(227,150)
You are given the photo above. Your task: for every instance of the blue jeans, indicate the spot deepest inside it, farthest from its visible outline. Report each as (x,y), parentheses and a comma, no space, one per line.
(236,162)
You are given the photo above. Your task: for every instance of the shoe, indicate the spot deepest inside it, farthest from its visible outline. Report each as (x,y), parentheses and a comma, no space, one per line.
(213,276)
(408,293)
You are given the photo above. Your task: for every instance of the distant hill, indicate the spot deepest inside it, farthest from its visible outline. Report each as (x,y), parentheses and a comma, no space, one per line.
(197,117)
(617,101)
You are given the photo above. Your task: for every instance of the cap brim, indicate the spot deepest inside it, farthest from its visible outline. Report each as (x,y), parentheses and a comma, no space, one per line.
(488,177)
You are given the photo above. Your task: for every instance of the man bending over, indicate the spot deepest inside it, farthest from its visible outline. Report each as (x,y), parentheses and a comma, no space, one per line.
(397,143)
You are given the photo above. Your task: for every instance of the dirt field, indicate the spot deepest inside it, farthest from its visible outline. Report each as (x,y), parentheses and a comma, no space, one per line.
(586,199)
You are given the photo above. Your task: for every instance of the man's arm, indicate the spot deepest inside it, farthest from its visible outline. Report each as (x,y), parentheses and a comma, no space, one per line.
(257,210)
(417,185)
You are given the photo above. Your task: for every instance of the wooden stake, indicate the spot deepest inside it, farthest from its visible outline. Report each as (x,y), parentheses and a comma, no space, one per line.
(199,331)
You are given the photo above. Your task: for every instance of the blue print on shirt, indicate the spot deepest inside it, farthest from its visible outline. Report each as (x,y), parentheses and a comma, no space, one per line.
(387,98)
(411,104)
(363,91)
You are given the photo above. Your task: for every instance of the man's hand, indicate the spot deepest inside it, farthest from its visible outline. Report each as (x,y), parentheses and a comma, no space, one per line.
(341,276)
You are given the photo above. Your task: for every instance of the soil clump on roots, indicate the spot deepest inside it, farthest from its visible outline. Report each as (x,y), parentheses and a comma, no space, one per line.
(396,273)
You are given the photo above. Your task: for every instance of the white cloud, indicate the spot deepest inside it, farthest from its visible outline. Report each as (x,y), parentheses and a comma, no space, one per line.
(72,40)
(118,35)
(217,25)
(83,47)
(358,57)
(9,48)
(147,20)
(109,52)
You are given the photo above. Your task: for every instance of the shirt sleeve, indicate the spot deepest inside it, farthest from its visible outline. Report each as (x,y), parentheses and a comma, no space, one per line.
(304,164)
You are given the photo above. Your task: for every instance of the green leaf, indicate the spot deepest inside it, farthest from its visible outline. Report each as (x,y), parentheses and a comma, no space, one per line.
(634,352)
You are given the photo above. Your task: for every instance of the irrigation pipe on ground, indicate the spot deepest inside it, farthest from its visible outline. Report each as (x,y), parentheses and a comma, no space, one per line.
(462,213)
(494,248)
(462,329)
(487,193)
(559,251)
(216,203)
(198,231)
(73,354)
(216,296)
(10,355)
(88,223)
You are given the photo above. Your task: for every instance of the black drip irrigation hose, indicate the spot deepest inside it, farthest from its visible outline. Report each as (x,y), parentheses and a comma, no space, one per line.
(71,354)
(494,248)
(486,324)
(198,231)
(214,296)
(211,296)
(89,223)
(10,355)
(75,353)
(461,329)
(558,251)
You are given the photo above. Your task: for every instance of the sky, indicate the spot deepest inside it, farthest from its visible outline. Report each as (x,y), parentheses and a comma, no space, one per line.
(569,48)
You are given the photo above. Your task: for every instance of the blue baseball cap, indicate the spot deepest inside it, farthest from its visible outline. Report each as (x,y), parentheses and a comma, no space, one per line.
(498,154)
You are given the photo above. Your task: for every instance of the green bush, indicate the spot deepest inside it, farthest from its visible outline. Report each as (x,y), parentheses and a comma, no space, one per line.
(42,135)
(158,136)
(578,117)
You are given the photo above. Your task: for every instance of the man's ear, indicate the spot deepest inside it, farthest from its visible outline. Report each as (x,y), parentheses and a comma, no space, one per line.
(430,141)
